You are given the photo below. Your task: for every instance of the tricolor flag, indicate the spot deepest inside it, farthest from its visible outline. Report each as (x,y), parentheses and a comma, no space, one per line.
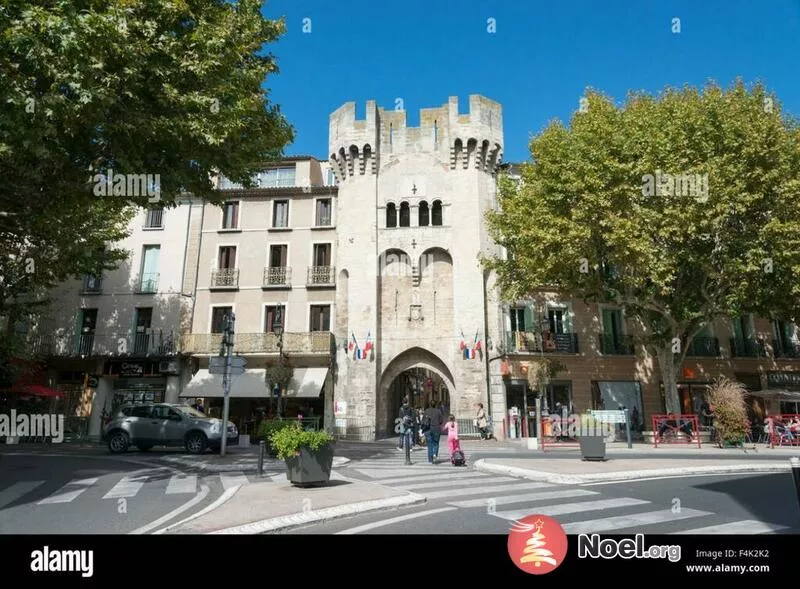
(463,345)
(361,354)
(352,342)
(476,345)
(368,345)
(469,354)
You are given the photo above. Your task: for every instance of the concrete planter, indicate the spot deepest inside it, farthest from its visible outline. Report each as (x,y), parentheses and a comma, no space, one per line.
(311,467)
(593,448)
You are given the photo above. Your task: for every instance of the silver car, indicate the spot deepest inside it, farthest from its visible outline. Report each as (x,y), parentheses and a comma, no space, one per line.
(163,424)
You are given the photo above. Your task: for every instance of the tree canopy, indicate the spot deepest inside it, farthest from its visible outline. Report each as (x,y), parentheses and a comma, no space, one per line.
(169,91)
(680,208)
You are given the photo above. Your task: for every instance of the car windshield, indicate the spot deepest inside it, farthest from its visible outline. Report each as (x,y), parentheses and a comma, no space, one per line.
(191,411)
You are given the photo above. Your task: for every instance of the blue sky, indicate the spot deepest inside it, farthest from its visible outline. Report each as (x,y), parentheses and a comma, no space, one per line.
(537,64)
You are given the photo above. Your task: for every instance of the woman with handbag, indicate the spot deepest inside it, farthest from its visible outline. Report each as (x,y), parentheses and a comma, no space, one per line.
(482,423)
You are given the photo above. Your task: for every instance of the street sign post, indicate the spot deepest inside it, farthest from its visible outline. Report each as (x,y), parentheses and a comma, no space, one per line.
(227,358)
(234,364)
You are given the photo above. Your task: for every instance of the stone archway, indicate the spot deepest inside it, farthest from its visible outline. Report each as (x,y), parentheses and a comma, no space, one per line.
(415,357)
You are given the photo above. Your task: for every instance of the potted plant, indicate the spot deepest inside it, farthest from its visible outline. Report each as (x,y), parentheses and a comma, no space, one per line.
(308,454)
(267,428)
(729,412)
(592,439)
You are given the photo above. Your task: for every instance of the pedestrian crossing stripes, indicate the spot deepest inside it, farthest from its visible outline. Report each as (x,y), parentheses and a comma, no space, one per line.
(120,487)
(580,510)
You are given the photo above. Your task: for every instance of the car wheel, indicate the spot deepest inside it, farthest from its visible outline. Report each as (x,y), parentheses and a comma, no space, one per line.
(144,448)
(196,443)
(118,443)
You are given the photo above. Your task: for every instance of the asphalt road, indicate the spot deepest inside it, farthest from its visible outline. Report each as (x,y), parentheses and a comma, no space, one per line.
(98,495)
(468,502)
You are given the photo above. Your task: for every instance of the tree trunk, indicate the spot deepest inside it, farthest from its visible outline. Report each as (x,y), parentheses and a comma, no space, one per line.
(669,377)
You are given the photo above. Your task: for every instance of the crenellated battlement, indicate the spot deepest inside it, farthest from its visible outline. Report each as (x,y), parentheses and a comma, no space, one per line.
(471,140)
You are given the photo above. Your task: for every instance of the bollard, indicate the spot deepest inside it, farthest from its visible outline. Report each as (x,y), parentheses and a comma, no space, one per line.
(795,461)
(262,448)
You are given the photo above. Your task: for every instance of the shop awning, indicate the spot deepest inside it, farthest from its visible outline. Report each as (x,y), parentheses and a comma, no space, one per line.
(307,383)
(249,385)
(35,390)
(780,394)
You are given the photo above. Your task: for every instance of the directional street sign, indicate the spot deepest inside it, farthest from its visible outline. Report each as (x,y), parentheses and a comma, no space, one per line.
(216,365)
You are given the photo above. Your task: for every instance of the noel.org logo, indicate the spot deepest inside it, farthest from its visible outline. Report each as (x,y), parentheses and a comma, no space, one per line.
(537,544)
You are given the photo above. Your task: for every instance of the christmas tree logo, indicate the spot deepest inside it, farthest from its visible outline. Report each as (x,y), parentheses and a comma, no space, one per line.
(537,544)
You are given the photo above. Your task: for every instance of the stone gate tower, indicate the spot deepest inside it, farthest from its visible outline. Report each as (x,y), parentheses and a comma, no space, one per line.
(411,205)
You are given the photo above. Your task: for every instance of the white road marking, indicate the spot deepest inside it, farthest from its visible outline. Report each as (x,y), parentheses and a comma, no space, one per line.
(566,508)
(68,492)
(126,487)
(394,520)
(440,484)
(236,479)
(204,489)
(510,499)
(742,528)
(181,484)
(445,493)
(448,477)
(677,476)
(17,490)
(631,521)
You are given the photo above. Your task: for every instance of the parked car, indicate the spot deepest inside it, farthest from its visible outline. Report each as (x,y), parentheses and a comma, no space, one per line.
(164,424)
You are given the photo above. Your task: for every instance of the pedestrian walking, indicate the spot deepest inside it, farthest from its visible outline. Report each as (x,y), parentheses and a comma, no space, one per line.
(451,427)
(432,427)
(408,425)
(482,423)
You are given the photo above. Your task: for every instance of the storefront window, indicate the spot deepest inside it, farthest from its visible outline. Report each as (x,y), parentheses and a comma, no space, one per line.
(616,395)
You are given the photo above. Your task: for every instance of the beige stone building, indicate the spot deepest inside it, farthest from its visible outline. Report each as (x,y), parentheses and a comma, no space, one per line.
(267,256)
(409,283)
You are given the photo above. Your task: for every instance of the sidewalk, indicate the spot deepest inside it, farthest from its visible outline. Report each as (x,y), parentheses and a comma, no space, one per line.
(261,508)
(567,468)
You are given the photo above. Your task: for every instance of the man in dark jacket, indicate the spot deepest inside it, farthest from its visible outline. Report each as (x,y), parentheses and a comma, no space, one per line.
(432,428)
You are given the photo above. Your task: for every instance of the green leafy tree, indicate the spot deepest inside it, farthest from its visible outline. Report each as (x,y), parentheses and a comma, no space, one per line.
(171,91)
(590,219)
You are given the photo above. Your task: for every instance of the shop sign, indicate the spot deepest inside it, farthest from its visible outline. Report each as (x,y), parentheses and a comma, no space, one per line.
(131,369)
(340,408)
(783,379)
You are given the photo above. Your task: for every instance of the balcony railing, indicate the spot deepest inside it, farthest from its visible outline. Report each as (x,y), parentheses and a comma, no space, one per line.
(225,278)
(155,343)
(92,285)
(785,350)
(529,342)
(706,347)
(747,348)
(316,342)
(617,345)
(321,276)
(148,284)
(277,276)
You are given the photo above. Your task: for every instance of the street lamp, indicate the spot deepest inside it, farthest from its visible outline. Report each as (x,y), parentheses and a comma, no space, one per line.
(278,328)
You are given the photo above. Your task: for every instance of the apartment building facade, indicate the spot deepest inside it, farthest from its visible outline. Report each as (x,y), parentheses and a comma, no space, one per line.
(113,339)
(267,257)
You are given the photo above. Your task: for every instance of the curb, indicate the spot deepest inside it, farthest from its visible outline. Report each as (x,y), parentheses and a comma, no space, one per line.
(549,477)
(251,465)
(279,524)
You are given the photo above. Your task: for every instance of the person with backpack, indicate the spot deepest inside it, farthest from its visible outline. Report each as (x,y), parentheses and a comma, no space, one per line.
(432,428)
(408,428)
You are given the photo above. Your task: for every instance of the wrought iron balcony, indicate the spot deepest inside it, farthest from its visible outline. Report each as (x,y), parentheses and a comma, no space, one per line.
(148,284)
(92,285)
(747,348)
(617,345)
(154,343)
(785,350)
(277,276)
(225,278)
(321,276)
(529,342)
(313,343)
(707,347)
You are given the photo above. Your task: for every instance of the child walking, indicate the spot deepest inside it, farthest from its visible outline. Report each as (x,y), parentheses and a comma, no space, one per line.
(451,427)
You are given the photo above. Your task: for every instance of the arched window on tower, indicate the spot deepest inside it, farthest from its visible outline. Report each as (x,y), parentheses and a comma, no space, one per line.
(405,215)
(436,213)
(424,214)
(391,215)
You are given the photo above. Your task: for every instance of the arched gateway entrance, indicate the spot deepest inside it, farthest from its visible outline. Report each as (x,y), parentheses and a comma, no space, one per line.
(416,374)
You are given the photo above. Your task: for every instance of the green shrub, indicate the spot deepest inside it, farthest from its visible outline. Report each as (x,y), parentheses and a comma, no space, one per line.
(287,441)
(267,428)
